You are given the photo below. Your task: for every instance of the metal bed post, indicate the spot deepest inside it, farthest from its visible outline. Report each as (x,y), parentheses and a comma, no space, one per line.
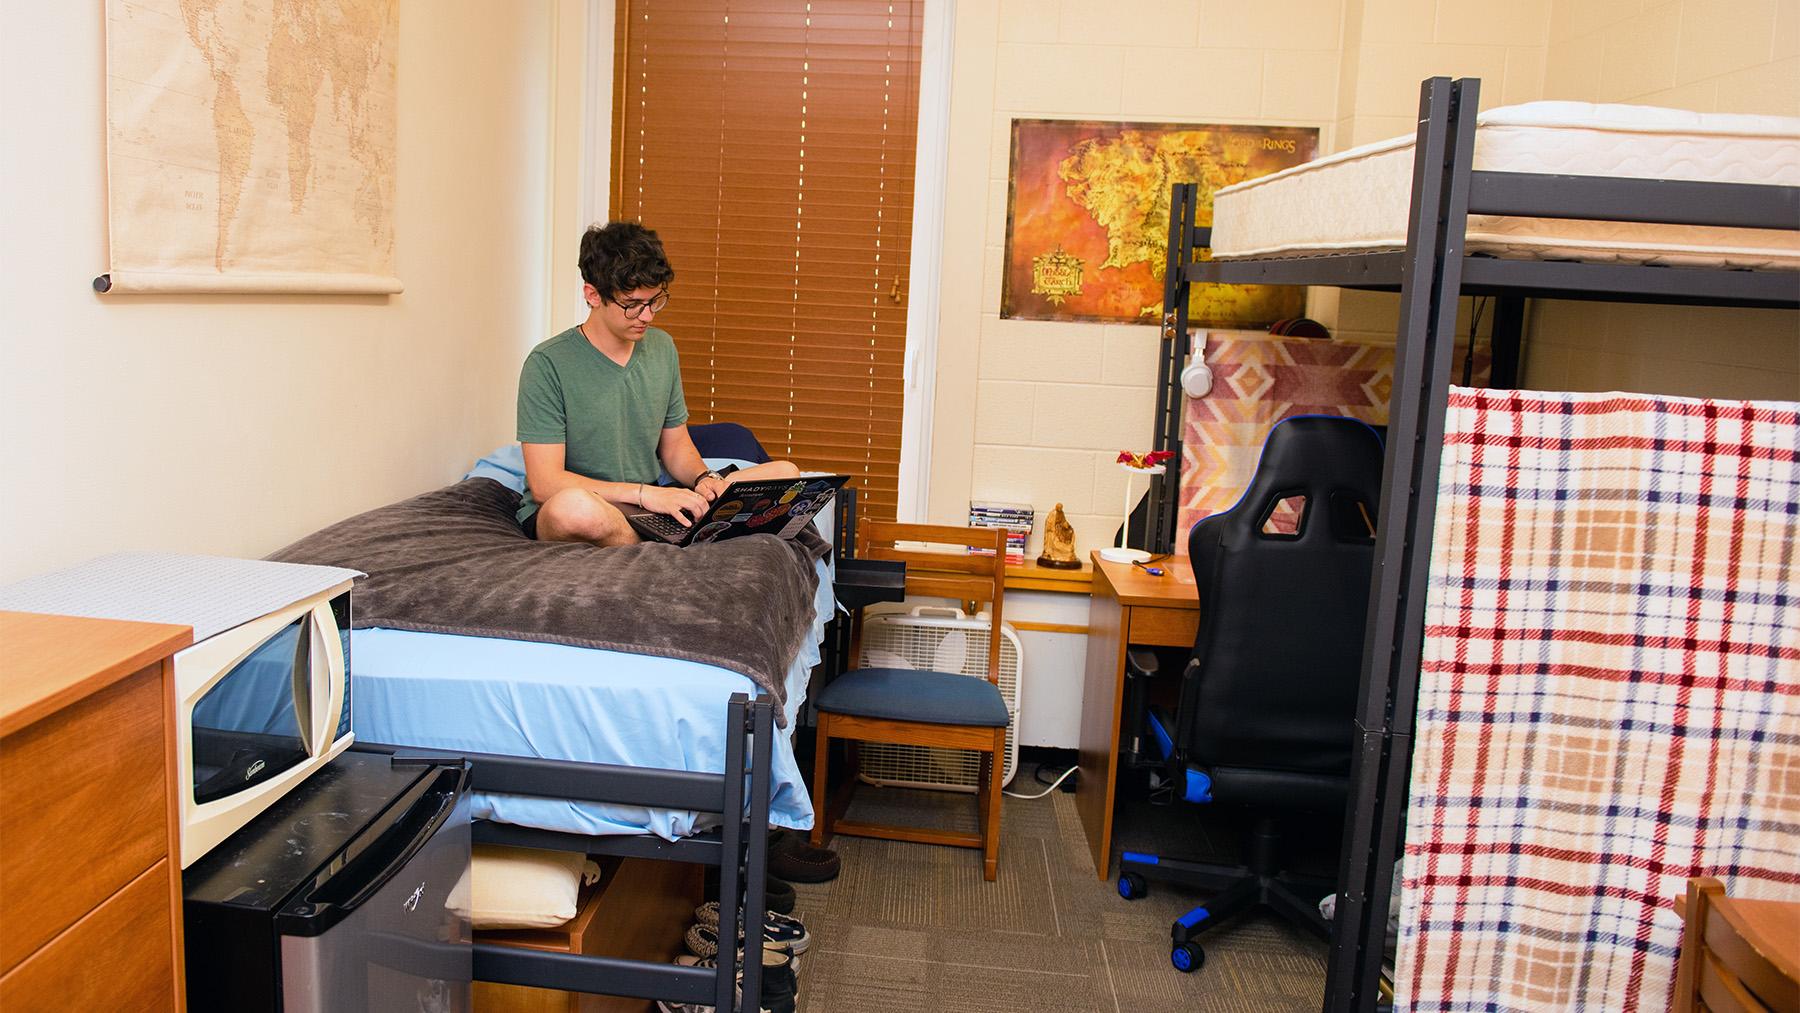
(761,726)
(731,840)
(1430,284)
(1165,489)
(1509,329)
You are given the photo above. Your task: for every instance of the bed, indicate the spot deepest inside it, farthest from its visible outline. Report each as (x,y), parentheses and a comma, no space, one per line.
(601,696)
(1357,200)
(1718,242)
(533,698)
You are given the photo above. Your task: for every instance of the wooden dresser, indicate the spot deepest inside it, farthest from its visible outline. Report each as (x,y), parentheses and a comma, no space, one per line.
(90,874)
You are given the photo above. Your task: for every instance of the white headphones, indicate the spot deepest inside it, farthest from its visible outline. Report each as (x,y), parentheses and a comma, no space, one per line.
(1197,376)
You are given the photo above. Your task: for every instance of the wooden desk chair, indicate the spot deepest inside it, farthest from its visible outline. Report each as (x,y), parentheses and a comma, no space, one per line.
(921,708)
(1728,961)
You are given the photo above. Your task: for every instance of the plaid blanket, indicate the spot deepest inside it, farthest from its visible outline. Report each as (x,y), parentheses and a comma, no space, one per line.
(1610,695)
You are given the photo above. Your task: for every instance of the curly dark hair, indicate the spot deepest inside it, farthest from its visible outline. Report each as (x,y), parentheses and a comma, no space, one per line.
(623,257)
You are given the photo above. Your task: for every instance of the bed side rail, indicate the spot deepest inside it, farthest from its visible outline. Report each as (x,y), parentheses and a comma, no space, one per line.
(1650,201)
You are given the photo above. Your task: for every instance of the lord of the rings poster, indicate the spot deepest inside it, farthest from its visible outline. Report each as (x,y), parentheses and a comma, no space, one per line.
(1087,217)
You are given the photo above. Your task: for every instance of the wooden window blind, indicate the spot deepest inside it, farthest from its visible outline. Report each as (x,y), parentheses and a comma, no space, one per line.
(770,144)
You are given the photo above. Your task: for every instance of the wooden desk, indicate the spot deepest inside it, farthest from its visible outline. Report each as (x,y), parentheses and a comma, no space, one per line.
(1129,607)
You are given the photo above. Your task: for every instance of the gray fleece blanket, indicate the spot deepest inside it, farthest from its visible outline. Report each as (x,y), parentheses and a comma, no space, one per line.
(454,561)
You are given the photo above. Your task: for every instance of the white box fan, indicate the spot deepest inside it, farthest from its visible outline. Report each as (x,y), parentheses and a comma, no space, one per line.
(939,640)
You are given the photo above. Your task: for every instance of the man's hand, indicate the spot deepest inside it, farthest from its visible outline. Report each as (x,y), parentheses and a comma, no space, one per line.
(684,505)
(710,487)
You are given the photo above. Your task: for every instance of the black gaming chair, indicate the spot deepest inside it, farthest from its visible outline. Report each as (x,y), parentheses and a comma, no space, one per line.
(1268,700)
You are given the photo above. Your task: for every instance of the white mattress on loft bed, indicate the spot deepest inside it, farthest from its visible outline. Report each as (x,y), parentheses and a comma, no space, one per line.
(1359,199)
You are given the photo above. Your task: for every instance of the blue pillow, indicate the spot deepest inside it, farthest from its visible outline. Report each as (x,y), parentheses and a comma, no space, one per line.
(506,466)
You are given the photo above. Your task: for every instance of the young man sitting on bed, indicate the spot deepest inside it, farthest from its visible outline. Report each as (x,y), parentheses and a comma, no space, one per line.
(600,406)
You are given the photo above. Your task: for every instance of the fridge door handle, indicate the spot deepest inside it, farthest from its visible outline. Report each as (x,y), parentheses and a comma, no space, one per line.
(361,872)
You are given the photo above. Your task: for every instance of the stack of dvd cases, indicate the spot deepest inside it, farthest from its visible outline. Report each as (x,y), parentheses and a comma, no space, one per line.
(1014,517)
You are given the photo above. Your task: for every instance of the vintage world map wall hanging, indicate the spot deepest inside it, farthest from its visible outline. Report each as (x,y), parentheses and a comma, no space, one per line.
(1087,218)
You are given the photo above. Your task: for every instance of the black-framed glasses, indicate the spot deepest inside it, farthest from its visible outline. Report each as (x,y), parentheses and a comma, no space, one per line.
(634,308)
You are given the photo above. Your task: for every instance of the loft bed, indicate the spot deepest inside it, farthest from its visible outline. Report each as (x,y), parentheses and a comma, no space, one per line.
(1431,270)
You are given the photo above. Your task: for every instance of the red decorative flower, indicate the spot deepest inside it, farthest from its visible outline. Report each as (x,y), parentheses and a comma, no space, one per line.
(1144,460)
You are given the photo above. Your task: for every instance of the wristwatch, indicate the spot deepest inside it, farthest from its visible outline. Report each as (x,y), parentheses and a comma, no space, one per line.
(708,473)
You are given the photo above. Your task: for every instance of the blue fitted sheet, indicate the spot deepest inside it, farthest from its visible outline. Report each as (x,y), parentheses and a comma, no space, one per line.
(525,698)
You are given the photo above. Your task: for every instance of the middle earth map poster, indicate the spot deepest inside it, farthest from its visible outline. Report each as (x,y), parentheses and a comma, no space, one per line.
(1087,217)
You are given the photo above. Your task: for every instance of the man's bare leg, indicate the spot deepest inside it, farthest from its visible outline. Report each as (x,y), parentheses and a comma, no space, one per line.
(577,515)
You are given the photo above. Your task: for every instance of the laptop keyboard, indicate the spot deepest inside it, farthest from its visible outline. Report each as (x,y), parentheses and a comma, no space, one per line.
(663,526)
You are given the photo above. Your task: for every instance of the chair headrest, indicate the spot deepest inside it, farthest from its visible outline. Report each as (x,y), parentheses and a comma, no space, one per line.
(1313,456)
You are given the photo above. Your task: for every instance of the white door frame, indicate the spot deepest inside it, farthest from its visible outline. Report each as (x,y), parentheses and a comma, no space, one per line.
(930,181)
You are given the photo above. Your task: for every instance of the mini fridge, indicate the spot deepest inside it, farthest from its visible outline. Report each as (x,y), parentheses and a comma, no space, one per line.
(349,894)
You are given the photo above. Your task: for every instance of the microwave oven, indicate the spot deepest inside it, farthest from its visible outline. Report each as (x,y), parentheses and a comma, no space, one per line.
(262,696)
(258,708)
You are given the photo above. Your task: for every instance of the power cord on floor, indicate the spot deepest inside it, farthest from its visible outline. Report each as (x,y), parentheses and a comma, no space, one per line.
(1037,774)
(1053,785)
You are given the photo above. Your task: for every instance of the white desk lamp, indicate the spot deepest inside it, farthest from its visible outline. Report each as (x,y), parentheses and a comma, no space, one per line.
(1121,553)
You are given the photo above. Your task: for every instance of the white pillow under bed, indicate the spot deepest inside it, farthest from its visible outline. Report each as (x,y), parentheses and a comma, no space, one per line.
(525,888)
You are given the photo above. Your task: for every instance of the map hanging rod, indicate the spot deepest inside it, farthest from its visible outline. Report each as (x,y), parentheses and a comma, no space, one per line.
(135,282)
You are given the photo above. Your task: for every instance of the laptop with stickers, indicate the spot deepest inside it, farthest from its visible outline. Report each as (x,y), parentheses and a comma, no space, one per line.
(776,506)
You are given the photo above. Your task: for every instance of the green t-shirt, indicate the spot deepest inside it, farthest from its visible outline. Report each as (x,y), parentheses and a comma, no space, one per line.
(608,417)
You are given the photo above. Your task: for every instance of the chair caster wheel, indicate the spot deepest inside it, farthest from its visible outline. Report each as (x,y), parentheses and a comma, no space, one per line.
(1132,886)
(1187,957)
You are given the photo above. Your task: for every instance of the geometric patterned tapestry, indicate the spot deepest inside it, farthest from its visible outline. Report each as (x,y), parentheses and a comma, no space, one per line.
(1258,380)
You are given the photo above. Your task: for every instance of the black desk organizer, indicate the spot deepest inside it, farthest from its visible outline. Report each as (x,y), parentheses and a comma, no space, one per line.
(859,582)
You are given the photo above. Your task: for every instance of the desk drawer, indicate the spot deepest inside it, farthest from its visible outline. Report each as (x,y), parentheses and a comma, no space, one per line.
(120,957)
(1160,627)
(84,810)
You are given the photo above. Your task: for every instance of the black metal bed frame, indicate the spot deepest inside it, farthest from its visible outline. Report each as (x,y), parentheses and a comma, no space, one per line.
(740,843)
(1430,274)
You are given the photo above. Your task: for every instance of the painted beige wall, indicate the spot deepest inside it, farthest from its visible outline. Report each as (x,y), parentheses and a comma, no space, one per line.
(1389,47)
(233,425)
(1729,56)
(1034,412)
(1399,43)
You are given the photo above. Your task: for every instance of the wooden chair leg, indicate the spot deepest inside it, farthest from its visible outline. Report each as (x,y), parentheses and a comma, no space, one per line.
(990,848)
(821,831)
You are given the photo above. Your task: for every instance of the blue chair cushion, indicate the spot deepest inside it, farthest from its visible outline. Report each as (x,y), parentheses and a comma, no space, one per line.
(904,694)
